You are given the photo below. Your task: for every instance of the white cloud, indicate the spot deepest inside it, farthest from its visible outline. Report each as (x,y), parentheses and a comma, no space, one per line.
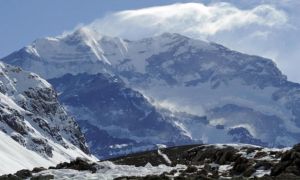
(192,19)
(268,28)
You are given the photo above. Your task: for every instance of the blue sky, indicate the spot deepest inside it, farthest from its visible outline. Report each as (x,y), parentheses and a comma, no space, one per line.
(268,28)
(22,21)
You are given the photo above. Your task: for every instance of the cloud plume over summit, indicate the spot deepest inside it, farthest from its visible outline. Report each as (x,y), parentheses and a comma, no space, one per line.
(266,28)
(192,19)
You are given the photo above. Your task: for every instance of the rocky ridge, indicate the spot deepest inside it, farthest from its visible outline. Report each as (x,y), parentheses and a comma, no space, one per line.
(31,115)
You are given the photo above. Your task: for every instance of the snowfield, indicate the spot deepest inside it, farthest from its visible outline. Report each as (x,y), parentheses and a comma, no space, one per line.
(108,171)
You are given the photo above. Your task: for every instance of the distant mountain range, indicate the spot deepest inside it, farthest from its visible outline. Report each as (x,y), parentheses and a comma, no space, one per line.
(168,89)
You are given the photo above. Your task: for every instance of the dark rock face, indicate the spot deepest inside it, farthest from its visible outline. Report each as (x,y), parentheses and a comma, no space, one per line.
(115,117)
(78,164)
(23,174)
(289,163)
(10,177)
(38,169)
(102,143)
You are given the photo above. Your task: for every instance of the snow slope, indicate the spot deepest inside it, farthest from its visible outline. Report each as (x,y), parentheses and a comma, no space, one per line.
(14,156)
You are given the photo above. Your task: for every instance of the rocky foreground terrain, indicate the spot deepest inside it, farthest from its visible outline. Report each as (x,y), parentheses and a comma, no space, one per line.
(184,162)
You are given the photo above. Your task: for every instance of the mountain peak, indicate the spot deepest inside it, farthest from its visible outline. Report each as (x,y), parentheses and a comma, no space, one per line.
(84,34)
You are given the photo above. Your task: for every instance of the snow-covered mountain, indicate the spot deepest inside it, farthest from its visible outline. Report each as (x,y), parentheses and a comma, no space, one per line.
(35,130)
(244,98)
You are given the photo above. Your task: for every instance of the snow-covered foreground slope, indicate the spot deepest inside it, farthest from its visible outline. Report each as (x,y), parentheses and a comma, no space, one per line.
(244,98)
(35,129)
(14,156)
